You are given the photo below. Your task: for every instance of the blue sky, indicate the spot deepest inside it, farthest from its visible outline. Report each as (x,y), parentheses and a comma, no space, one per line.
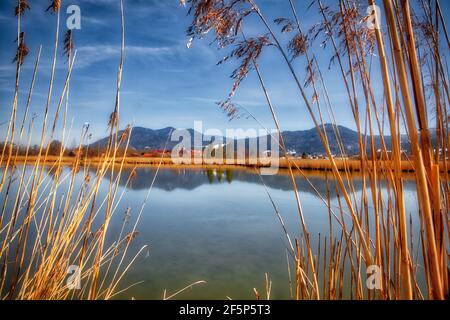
(164,83)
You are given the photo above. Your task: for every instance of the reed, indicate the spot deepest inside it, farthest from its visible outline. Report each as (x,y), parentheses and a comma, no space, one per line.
(407,47)
(48,221)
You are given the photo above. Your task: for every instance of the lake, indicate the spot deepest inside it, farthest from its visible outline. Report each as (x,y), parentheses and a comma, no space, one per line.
(217,226)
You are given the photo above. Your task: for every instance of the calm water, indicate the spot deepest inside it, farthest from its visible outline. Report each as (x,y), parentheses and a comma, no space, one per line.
(219,227)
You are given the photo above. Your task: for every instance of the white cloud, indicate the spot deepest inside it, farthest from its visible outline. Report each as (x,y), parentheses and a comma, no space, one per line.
(88,55)
(96,21)
(7,68)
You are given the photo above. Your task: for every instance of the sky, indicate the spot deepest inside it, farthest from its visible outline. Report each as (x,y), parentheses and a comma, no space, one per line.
(164,83)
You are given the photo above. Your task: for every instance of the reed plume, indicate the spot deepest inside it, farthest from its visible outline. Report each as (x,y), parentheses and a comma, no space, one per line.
(21,7)
(378,235)
(55,6)
(22,50)
(42,234)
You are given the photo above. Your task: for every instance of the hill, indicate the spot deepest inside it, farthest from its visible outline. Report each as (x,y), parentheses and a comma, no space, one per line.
(301,141)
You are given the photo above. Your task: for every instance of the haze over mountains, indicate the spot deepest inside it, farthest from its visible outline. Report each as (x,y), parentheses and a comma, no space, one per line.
(302,141)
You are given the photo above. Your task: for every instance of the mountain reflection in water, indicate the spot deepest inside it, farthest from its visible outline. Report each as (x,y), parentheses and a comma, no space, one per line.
(190,179)
(213,225)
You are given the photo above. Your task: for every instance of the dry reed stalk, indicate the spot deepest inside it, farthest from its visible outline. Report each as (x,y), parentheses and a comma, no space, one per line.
(422,184)
(21,53)
(397,161)
(390,244)
(291,175)
(368,256)
(114,126)
(62,227)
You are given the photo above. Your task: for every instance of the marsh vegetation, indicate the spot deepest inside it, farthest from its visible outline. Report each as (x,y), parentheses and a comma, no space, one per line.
(64,214)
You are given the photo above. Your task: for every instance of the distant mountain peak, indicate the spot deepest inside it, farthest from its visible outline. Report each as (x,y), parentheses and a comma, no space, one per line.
(302,141)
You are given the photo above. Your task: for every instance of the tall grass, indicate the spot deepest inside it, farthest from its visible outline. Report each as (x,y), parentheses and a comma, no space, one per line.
(407,55)
(50,220)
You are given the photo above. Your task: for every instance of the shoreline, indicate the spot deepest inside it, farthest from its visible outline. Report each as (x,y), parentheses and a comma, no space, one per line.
(315,165)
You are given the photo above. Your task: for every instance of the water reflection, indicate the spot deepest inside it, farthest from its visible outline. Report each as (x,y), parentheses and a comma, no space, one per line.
(220,226)
(190,179)
(214,225)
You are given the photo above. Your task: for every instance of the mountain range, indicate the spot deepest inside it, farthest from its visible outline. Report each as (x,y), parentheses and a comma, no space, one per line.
(301,141)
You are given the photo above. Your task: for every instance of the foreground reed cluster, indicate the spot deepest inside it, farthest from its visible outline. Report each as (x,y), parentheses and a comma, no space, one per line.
(52,225)
(375,229)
